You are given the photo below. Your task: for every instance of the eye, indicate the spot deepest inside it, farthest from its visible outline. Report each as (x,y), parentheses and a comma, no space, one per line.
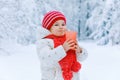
(56,25)
(63,24)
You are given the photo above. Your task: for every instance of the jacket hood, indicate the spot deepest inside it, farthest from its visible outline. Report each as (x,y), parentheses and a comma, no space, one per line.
(42,32)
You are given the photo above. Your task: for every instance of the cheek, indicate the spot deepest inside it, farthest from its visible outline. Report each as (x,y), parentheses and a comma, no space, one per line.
(65,28)
(53,31)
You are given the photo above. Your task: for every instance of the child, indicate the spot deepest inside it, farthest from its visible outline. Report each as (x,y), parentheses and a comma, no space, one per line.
(60,57)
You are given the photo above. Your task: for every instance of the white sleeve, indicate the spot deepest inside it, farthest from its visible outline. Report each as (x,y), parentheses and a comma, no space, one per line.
(82,56)
(48,54)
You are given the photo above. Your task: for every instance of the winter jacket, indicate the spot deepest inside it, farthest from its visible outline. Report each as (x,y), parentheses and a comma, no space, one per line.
(50,56)
(69,63)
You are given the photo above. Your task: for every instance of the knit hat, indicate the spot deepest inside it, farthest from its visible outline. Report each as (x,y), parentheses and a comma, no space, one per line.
(51,17)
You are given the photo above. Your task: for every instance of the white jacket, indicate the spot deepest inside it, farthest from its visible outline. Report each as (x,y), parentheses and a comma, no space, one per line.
(49,57)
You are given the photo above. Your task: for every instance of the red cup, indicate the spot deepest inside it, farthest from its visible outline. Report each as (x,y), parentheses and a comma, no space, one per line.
(71,35)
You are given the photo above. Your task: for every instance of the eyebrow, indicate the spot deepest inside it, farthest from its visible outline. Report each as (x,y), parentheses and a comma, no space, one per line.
(57,22)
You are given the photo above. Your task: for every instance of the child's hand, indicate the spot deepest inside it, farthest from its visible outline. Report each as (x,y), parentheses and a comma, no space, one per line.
(78,49)
(69,44)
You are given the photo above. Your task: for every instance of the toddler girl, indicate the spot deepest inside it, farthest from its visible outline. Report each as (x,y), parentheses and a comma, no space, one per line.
(59,55)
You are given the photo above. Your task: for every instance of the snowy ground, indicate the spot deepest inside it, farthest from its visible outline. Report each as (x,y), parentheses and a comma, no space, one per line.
(23,64)
(101,64)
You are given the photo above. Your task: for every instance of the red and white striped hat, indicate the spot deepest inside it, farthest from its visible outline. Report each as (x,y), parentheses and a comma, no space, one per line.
(51,17)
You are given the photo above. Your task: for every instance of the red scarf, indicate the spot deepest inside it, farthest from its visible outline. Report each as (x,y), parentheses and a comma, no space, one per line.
(69,63)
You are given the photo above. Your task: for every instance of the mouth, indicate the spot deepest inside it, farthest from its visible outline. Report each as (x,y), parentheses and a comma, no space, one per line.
(61,31)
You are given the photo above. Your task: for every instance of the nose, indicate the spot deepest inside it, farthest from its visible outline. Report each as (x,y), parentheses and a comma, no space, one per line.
(60,26)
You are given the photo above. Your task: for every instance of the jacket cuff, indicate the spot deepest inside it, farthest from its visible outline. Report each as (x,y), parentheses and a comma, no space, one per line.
(60,52)
(82,56)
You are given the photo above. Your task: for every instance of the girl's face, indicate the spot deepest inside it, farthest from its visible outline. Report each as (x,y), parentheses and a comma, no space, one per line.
(58,28)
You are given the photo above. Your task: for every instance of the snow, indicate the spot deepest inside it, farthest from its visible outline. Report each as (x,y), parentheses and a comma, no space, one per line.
(95,20)
(22,62)
(92,19)
(102,62)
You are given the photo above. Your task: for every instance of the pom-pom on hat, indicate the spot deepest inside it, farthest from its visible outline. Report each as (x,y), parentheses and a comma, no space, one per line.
(51,17)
